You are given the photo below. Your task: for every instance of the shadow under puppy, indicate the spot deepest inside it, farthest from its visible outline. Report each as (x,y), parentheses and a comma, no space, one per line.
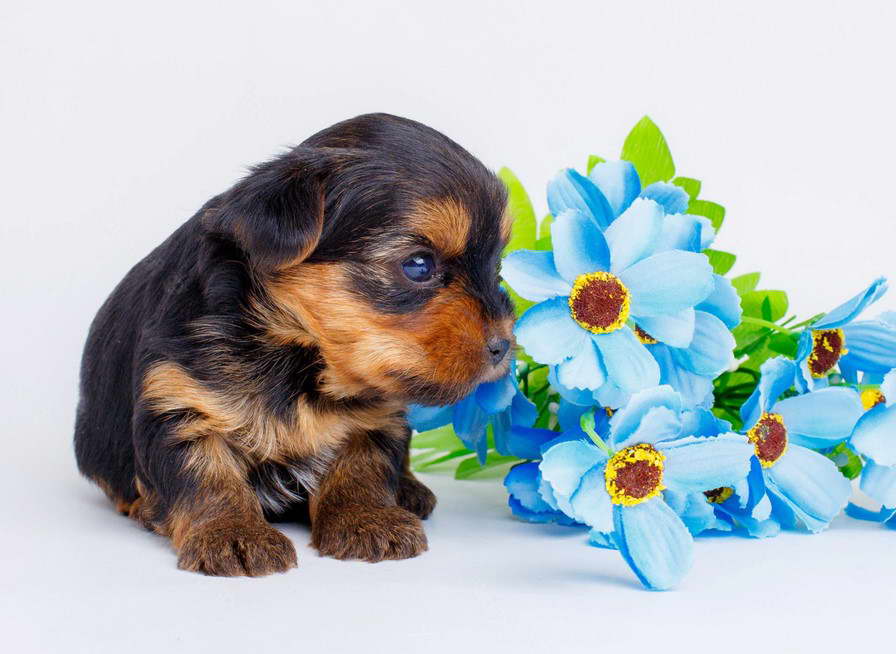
(263,356)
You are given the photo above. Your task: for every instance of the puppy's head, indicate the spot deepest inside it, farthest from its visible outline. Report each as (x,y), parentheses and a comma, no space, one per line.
(378,241)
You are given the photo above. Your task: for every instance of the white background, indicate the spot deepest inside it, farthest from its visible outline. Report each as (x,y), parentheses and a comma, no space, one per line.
(119,120)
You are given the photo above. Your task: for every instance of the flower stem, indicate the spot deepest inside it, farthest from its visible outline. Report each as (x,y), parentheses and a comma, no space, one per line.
(766,323)
(587,424)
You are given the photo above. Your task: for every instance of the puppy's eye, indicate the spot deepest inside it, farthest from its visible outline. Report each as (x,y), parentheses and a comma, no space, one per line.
(419,267)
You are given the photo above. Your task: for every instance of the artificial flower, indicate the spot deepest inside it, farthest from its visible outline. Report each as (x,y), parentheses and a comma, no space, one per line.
(803,485)
(616,486)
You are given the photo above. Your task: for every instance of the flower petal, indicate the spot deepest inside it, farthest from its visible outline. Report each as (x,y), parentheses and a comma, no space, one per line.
(822,418)
(658,424)
(777,377)
(695,512)
(723,302)
(681,232)
(601,539)
(673,329)
(583,398)
(668,282)
(698,463)
(533,276)
(874,435)
(654,542)
(470,423)
(571,190)
(672,198)
(522,482)
(711,351)
(695,390)
(879,482)
(590,503)
(497,395)
(888,387)
(632,235)
(584,370)
(810,486)
(849,310)
(626,421)
(619,183)
(563,465)
(549,333)
(526,442)
(627,362)
(871,345)
(579,246)
(424,418)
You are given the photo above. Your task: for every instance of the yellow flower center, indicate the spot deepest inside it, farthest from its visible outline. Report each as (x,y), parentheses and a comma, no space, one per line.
(599,302)
(718,495)
(769,438)
(644,337)
(635,474)
(827,348)
(871,397)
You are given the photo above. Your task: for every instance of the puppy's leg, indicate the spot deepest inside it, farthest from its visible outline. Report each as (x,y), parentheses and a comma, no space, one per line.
(203,502)
(412,494)
(355,512)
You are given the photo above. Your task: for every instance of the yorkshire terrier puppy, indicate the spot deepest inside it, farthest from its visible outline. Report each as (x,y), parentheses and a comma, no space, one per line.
(261,359)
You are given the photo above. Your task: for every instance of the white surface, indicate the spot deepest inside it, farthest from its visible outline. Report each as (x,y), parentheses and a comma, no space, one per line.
(118,120)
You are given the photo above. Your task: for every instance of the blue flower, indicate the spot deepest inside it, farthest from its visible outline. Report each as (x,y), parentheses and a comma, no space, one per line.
(499,403)
(838,339)
(590,286)
(522,483)
(616,488)
(803,485)
(874,437)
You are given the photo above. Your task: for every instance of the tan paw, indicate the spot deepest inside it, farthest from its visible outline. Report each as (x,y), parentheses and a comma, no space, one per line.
(415,497)
(368,533)
(229,549)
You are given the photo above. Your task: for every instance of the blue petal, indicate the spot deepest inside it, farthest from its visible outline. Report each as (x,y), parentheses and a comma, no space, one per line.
(673,329)
(681,232)
(579,246)
(695,512)
(619,183)
(699,463)
(533,276)
(626,422)
(633,235)
(470,423)
(522,482)
(581,397)
(569,415)
(702,422)
(570,190)
(849,310)
(611,396)
(879,482)
(860,513)
(888,387)
(874,435)
(584,370)
(627,362)
(522,411)
(822,418)
(654,542)
(497,395)
(810,485)
(601,539)
(668,282)
(538,517)
(871,345)
(888,317)
(695,390)
(590,502)
(711,351)
(526,442)
(549,333)
(658,424)
(563,466)
(424,418)
(673,198)
(723,302)
(777,377)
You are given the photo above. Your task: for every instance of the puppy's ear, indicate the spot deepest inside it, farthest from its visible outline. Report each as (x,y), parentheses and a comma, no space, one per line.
(276,213)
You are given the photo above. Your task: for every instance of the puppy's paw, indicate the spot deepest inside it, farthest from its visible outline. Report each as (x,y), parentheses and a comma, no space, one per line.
(232,549)
(415,497)
(368,533)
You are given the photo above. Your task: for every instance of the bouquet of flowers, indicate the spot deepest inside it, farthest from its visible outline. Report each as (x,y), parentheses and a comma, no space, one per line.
(655,398)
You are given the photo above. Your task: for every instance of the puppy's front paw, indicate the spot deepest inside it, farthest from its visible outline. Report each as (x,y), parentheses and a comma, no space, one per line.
(231,549)
(368,533)
(415,497)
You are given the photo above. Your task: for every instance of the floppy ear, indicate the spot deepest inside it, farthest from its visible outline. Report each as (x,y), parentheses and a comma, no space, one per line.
(276,213)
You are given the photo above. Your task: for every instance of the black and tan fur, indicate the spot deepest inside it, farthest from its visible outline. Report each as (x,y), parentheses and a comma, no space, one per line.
(261,359)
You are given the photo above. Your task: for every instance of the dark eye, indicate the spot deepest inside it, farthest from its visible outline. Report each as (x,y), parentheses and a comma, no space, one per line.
(419,267)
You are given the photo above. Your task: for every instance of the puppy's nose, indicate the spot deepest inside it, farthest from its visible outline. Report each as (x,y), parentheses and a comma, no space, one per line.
(497,349)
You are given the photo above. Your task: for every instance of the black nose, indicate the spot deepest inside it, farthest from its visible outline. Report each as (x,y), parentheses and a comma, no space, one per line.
(497,349)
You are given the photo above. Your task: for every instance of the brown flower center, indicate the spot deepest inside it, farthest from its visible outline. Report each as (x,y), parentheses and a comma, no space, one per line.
(769,438)
(718,495)
(644,337)
(599,302)
(827,348)
(635,474)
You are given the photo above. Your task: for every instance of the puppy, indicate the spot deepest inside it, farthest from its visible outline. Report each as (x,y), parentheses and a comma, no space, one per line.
(261,359)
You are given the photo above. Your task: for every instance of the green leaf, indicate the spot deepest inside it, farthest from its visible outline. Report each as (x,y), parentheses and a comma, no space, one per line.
(471,466)
(544,230)
(720,261)
(745,283)
(646,147)
(849,463)
(715,212)
(456,454)
(520,207)
(441,438)
(784,344)
(593,160)
(768,305)
(690,185)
